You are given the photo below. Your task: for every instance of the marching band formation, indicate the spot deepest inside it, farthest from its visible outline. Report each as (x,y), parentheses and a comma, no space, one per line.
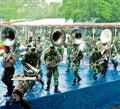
(99,50)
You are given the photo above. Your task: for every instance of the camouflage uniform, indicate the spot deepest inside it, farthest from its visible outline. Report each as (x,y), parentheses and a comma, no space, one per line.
(18,94)
(114,53)
(9,60)
(76,57)
(60,49)
(39,52)
(16,49)
(95,63)
(68,61)
(30,58)
(48,57)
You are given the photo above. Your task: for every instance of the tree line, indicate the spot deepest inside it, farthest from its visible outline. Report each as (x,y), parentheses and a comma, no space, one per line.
(78,10)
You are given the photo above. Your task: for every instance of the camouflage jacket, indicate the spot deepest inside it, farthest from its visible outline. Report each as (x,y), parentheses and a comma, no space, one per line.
(30,58)
(9,60)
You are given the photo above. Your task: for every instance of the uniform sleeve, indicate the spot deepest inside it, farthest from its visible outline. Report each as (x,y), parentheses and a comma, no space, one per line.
(80,55)
(12,59)
(23,59)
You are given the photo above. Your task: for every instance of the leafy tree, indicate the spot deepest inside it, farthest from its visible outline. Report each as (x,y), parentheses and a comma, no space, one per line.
(87,10)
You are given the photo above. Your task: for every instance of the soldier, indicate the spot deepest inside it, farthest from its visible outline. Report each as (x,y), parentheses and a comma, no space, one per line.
(39,52)
(95,63)
(114,54)
(16,49)
(9,60)
(31,58)
(68,60)
(49,58)
(76,56)
(18,94)
(61,51)
(103,48)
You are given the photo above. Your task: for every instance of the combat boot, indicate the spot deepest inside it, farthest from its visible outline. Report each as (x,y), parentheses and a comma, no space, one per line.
(48,88)
(74,82)
(95,77)
(67,70)
(57,90)
(79,79)
(42,83)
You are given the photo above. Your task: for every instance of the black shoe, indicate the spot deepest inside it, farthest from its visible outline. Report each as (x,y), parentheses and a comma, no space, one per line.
(74,82)
(58,91)
(7,94)
(43,86)
(31,90)
(67,70)
(42,83)
(95,77)
(79,79)
(47,89)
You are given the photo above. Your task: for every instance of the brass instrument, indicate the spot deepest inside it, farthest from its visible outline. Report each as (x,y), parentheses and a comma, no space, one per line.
(33,68)
(76,36)
(57,38)
(31,76)
(22,77)
(105,37)
(54,62)
(8,36)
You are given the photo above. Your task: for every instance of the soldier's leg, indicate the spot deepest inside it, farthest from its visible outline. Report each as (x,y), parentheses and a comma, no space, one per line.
(104,65)
(68,64)
(10,88)
(7,76)
(39,77)
(115,63)
(94,69)
(49,76)
(42,83)
(8,101)
(24,103)
(31,84)
(76,74)
(56,83)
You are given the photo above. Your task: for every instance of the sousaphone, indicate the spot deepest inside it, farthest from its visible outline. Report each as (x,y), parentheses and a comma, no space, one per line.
(57,38)
(105,37)
(8,36)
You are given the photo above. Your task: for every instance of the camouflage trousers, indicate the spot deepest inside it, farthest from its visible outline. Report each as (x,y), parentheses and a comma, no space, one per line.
(52,72)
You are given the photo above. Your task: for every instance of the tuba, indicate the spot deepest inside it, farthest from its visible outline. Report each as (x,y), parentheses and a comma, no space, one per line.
(57,38)
(106,38)
(54,62)
(8,36)
(76,36)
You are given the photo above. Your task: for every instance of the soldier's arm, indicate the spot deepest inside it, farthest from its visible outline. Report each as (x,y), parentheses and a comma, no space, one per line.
(12,59)
(24,59)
